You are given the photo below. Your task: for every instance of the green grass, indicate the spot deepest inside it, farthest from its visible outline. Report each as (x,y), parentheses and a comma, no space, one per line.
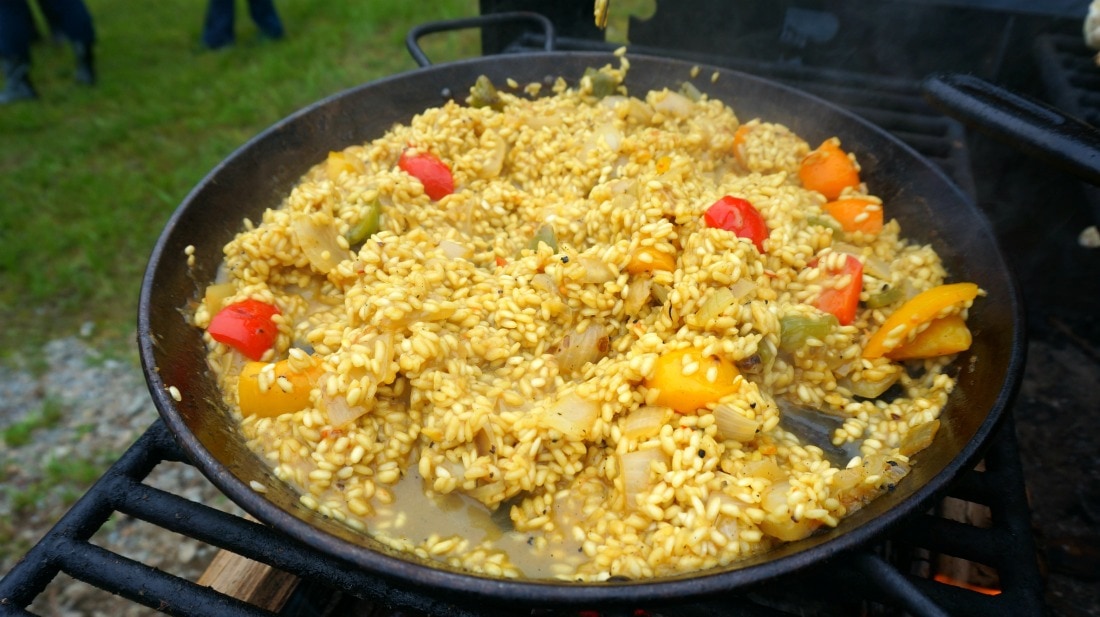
(89,176)
(47,416)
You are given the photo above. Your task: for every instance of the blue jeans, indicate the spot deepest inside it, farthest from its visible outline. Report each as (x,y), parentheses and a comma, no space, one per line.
(17,25)
(218,28)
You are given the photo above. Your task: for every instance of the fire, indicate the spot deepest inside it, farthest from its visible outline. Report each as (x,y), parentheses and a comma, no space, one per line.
(947,580)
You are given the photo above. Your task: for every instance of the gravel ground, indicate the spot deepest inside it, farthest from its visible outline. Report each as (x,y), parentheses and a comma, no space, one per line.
(79,411)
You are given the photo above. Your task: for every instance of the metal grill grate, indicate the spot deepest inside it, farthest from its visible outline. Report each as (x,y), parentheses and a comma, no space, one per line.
(869,581)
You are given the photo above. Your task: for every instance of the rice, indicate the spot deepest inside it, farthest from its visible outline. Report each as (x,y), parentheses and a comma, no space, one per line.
(489,378)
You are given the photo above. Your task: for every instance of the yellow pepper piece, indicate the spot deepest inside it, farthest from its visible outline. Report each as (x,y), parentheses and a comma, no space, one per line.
(648,259)
(942,337)
(687,380)
(338,162)
(289,392)
(919,310)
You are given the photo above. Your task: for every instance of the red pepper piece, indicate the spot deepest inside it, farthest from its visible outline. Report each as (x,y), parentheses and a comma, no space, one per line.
(842,302)
(246,326)
(739,216)
(432,173)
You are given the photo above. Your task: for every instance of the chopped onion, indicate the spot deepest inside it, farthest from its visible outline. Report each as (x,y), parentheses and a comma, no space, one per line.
(780,523)
(579,348)
(866,388)
(318,242)
(661,293)
(610,135)
(338,411)
(636,469)
(764,468)
(672,103)
(596,270)
(496,148)
(741,288)
(715,305)
(733,425)
(545,283)
(920,438)
(851,488)
(215,296)
(638,110)
(637,295)
(643,422)
(571,415)
(455,250)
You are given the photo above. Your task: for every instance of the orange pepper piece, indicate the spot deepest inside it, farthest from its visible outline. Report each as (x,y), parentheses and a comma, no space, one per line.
(710,379)
(287,394)
(857,214)
(828,170)
(919,310)
(942,337)
(648,259)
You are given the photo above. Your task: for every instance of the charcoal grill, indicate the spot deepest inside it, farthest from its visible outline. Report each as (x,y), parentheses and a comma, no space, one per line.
(894,576)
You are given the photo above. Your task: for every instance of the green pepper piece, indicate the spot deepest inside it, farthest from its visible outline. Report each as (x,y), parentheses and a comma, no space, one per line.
(544,235)
(795,330)
(603,84)
(367,226)
(484,94)
(887,296)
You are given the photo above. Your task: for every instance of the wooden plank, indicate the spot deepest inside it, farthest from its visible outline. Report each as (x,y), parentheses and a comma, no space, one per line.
(250,581)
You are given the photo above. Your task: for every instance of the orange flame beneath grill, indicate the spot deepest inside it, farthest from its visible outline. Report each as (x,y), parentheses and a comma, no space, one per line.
(947,580)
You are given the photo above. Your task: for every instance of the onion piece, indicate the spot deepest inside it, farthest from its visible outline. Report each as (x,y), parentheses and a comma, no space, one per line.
(338,411)
(571,415)
(919,438)
(672,103)
(216,295)
(866,388)
(637,295)
(455,250)
(636,469)
(779,522)
(714,306)
(495,147)
(643,422)
(612,136)
(741,288)
(579,348)
(596,270)
(733,425)
(319,243)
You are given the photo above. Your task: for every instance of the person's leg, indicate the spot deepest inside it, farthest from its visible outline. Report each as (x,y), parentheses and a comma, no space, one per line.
(217,30)
(75,22)
(16,32)
(53,20)
(266,17)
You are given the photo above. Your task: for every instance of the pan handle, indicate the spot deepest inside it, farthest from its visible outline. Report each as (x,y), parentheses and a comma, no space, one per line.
(412,39)
(1033,127)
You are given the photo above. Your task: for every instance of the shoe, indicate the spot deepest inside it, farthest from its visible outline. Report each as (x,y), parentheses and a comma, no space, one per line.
(17,83)
(85,65)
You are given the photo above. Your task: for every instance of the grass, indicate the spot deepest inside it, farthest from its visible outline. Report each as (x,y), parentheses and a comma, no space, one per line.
(88,176)
(47,416)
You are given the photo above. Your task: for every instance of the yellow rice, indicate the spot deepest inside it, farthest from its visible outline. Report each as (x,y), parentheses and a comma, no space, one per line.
(445,328)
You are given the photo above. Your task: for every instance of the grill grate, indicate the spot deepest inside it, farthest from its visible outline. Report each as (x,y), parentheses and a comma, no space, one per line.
(870,582)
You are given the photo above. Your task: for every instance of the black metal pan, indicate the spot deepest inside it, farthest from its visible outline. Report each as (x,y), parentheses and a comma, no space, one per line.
(259,174)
